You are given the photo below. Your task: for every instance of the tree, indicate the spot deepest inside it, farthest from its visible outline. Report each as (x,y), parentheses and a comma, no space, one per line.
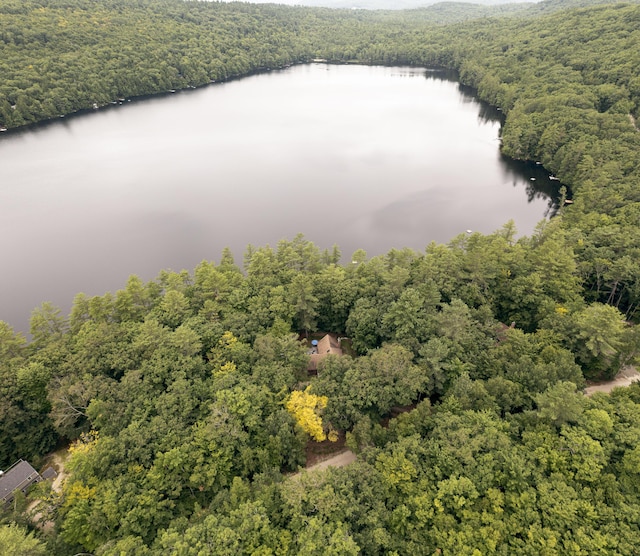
(134,301)
(319,539)
(560,404)
(12,345)
(304,302)
(408,321)
(245,530)
(362,325)
(371,385)
(47,325)
(336,294)
(306,409)
(25,428)
(533,361)
(470,394)
(173,309)
(598,336)
(16,540)
(599,332)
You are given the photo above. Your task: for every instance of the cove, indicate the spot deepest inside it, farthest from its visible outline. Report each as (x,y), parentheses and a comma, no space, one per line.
(365,157)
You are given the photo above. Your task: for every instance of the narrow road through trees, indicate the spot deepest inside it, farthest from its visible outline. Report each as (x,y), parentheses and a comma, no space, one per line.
(625,377)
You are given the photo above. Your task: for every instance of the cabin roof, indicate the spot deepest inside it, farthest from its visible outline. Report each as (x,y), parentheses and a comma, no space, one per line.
(19,476)
(328,345)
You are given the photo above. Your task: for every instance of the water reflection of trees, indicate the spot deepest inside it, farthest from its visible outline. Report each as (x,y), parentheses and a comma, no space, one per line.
(442,74)
(486,113)
(541,187)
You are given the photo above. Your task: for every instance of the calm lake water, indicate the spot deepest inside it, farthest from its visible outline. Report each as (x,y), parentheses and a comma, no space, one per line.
(365,157)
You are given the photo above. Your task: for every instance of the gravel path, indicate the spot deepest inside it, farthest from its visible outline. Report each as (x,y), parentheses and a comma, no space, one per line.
(339,460)
(625,377)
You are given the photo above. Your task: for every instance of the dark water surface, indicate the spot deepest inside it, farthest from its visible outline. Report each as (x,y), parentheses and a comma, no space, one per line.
(365,157)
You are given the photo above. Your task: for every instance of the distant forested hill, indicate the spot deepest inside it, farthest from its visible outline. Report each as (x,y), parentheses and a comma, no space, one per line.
(375,4)
(420,4)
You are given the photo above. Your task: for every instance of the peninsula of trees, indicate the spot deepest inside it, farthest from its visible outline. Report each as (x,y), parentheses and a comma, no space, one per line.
(177,393)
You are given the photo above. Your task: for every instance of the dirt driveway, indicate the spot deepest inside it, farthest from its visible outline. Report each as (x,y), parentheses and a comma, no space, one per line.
(339,460)
(625,377)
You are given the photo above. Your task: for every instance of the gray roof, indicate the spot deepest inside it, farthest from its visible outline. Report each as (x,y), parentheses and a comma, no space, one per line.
(49,473)
(19,476)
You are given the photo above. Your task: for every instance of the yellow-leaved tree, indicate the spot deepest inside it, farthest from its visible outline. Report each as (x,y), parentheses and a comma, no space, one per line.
(306,409)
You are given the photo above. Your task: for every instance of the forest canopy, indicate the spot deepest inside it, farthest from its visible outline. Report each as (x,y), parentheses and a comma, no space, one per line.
(189,405)
(187,400)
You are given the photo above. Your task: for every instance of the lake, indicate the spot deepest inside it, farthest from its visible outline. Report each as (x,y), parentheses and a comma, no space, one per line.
(365,157)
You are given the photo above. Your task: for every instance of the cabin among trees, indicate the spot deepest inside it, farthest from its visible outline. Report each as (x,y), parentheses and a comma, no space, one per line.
(19,477)
(329,344)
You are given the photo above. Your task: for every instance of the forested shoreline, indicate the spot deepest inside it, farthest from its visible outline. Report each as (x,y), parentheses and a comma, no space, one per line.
(176,393)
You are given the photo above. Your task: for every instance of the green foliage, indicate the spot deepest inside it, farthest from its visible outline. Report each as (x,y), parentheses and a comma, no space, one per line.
(192,433)
(26,431)
(185,379)
(16,540)
(370,385)
(596,334)
(559,404)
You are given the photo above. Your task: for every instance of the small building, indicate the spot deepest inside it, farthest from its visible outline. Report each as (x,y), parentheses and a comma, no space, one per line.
(20,476)
(328,345)
(49,473)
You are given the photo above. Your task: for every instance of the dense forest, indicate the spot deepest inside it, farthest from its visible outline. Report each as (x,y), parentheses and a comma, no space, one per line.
(371,4)
(187,400)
